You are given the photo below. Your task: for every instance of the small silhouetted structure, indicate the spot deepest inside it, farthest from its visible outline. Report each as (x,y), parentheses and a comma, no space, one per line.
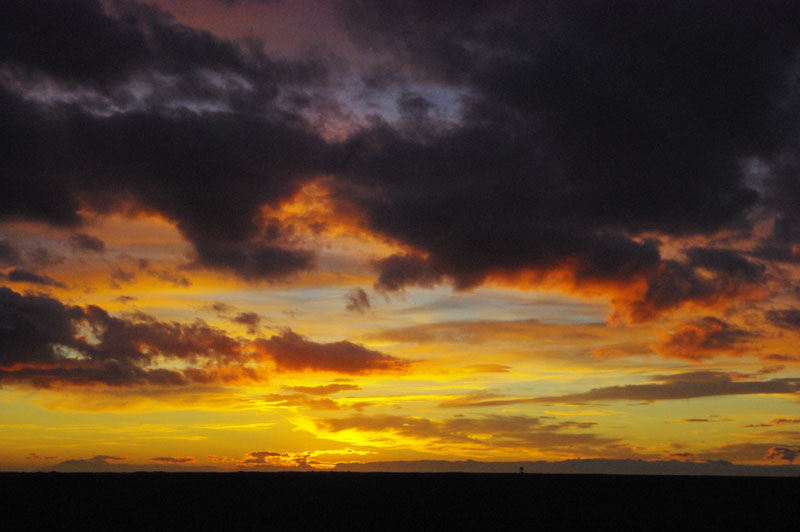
(521,470)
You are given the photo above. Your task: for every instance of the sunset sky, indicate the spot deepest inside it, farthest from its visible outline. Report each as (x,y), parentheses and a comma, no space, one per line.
(267,234)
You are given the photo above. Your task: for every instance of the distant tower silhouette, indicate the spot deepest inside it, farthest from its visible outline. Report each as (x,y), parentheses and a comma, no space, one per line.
(521,470)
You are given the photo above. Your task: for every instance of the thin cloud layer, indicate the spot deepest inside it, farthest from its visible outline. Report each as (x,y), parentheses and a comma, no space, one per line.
(689,385)
(495,431)
(292,352)
(683,386)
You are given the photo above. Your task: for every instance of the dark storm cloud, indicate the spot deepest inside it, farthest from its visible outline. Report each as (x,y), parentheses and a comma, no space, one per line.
(206,151)
(397,271)
(31,325)
(252,261)
(413,106)
(236,2)
(84,242)
(584,123)
(783,198)
(82,42)
(210,174)
(784,318)
(584,127)
(292,352)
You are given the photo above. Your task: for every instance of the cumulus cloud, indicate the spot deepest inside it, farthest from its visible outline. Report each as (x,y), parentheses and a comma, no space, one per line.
(210,105)
(45,342)
(704,338)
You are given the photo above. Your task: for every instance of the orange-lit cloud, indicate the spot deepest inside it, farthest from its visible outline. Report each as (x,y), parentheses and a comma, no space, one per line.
(50,343)
(292,352)
(663,387)
(704,338)
(788,454)
(468,434)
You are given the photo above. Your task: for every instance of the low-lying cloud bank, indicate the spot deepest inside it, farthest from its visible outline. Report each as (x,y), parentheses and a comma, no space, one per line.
(588,467)
(591,467)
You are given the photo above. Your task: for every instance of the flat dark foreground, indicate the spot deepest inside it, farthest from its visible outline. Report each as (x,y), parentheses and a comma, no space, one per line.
(373,501)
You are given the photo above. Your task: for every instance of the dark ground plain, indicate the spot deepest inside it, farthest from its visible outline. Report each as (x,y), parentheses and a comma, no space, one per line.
(377,502)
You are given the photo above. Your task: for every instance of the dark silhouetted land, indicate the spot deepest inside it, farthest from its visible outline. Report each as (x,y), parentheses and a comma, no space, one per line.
(385,501)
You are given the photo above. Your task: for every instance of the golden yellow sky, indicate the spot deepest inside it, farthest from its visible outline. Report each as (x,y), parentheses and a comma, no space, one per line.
(484,374)
(247,234)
